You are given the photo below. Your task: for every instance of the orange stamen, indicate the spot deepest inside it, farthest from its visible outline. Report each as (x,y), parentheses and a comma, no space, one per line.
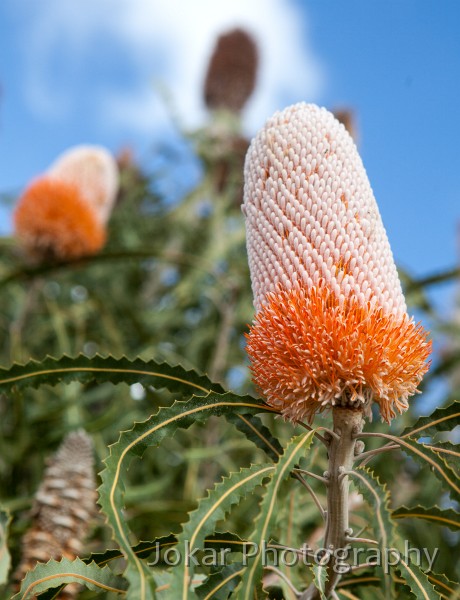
(311,350)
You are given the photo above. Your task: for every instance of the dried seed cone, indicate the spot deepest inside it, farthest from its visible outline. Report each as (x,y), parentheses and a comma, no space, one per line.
(331,325)
(232,71)
(64,507)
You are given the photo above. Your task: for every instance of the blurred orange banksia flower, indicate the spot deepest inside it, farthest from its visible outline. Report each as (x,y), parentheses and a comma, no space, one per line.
(331,327)
(63,214)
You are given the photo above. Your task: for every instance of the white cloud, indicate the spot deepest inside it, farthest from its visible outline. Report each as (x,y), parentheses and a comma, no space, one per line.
(166,42)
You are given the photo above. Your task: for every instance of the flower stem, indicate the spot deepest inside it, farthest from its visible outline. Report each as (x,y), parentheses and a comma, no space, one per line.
(348,422)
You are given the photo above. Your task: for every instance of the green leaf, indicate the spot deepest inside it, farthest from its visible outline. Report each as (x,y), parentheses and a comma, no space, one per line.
(252,576)
(447,589)
(220,540)
(378,497)
(5,558)
(55,573)
(424,455)
(145,549)
(142,550)
(364,579)
(258,433)
(101,369)
(320,578)
(442,419)
(203,520)
(221,584)
(417,581)
(450,453)
(133,443)
(448,517)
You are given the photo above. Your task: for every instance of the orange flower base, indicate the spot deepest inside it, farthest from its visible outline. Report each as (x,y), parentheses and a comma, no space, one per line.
(53,221)
(311,350)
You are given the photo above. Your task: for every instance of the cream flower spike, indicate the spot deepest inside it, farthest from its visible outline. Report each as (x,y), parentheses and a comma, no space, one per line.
(331,325)
(94,171)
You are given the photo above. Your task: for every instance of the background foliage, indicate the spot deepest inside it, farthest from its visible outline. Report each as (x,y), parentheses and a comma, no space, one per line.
(173,285)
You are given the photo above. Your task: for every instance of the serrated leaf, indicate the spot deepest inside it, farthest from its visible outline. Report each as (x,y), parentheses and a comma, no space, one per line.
(424,454)
(252,576)
(320,578)
(5,558)
(442,419)
(142,550)
(161,580)
(221,584)
(203,520)
(133,443)
(227,539)
(55,573)
(378,496)
(417,581)
(450,453)
(446,588)
(258,433)
(101,369)
(447,517)
(357,581)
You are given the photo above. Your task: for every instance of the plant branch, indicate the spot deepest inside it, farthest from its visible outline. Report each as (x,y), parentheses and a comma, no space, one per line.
(312,493)
(284,578)
(317,435)
(348,424)
(227,318)
(363,566)
(311,474)
(362,540)
(370,453)
(299,551)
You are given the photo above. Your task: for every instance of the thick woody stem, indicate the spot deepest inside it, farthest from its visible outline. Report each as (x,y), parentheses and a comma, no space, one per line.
(348,422)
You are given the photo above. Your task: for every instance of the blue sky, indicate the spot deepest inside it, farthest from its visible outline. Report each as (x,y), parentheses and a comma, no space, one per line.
(76,71)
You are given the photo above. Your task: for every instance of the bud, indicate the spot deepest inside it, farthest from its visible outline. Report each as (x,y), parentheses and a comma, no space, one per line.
(232,71)
(331,326)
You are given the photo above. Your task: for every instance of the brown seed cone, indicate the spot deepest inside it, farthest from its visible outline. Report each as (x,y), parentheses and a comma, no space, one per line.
(232,71)
(63,508)
(347,117)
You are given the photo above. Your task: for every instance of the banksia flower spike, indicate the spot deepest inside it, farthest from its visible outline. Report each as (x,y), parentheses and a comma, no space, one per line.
(64,507)
(63,214)
(331,327)
(232,70)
